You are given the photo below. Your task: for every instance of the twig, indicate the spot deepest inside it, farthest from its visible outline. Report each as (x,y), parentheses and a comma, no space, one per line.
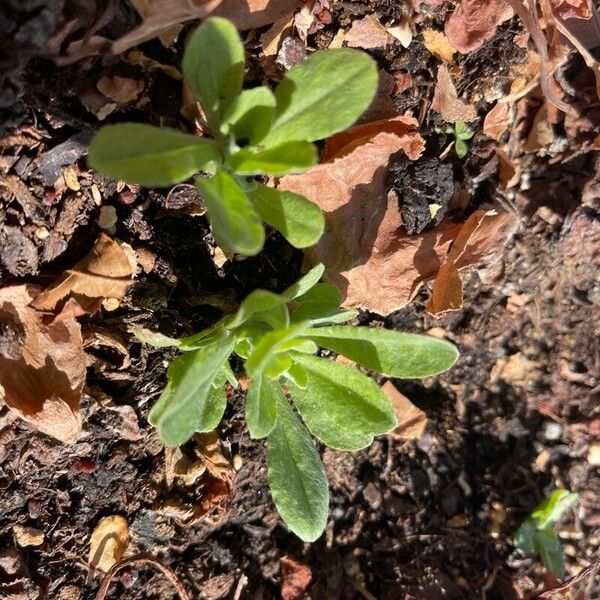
(565,586)
(137,559)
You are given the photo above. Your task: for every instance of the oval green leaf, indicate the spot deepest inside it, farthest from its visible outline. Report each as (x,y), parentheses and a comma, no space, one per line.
(261,406)
(299,220)
(325,94)
(250,115)
(340,406)
(297,476)
(236,224)
(151,156)
(393,353)
(291,157)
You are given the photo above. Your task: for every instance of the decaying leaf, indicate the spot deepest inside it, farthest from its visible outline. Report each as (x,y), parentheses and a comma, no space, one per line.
(162,15)
(572,9)
(412,421)
(365,249)
(498,120)
(439,45)
(208,450)
(108,543)
(472,23)
(402,32)
(42,366)
(296,578)
(482,235)
(446,101)
(120,89)
(104,273)
(270,40)
(367,33)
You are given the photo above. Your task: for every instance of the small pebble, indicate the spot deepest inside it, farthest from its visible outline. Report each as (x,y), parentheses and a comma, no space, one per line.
(552,431)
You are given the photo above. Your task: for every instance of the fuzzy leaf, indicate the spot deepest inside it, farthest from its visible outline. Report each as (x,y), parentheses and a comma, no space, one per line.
(342,407)
(250,115)
(297,476)
(305,282)
(322,300)
(325,94)
(190,403)
(392,353)
(261,406)
(255,302)
(236,224)
(151,156)
(299,220)
(213,66)
(290,157)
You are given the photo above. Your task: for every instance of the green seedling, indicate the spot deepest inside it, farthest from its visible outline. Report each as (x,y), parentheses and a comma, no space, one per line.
(537,536)
(277,336)
(461,133)
(256,132)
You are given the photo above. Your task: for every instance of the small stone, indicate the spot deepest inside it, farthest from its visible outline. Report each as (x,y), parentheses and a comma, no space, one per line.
(108,218)
(593,455)
(10,561)
(237,462)
(552,431)
(28,536)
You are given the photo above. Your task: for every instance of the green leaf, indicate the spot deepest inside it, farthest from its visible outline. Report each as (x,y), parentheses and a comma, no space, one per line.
(325,94)
(461,148)
(190,403)
(300,221)
(305,282)
(236,224)
(213,66)
(549,512)
(392,353)
(290,157)
(261,406)
(272,343)
(547,545)
(255,302)
(340,406)
(297,476)
(154,338)
(339,316)
(250,115)
(322,300)
(151,156)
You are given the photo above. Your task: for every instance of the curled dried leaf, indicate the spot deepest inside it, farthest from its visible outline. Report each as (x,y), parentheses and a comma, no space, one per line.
(446,101)
(109,542)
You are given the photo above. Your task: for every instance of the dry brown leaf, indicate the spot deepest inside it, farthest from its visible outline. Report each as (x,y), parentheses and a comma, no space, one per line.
(120,89)
(162,15)
(472,23)
(208,450)
(365,249)
(296,578)
(108,543)
(572,9)
(367,33)
(405,128)
(482,235)
(446,101)
(412,421)
(42,366)
(541,135)
(439,45)
(168,36)
(509,172)
(524,76)
(270,40)
(498,120)
(104,273)
(303,21)
(137,57)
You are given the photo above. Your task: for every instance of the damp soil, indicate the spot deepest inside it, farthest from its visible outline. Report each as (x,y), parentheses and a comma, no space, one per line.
(426,519)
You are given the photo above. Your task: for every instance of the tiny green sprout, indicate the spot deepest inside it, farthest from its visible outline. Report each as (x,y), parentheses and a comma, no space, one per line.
(256,132)
(537,536)
(461,132)
(277,336)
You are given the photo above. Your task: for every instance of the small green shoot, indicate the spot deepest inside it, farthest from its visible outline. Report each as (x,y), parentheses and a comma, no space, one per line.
(277,336)
(256,132)
(461,133)
(536,536)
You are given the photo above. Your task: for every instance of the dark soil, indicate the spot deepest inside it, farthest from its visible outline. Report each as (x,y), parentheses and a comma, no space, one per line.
(430,519)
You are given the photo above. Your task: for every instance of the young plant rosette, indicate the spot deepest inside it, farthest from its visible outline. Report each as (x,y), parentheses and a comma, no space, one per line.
(278,337)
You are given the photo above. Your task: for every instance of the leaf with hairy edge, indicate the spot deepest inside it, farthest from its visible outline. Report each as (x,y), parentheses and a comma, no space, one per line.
(261,406)
(323,299)
(389,352)
(290,157)
(340,406)
(255,302)
(190,403)
(305,282)
(213,66)
(151,156)
(300,221)
(297,476)
(236,224)
(325,94)
(250,115)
